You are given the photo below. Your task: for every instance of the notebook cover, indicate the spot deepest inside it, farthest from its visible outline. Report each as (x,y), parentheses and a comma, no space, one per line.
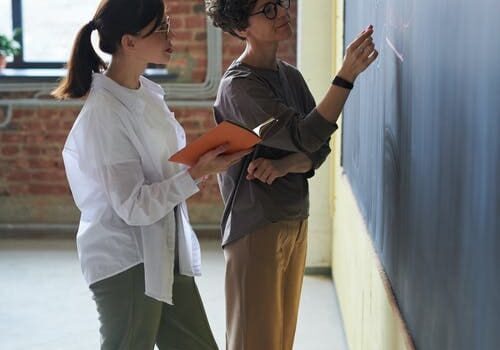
(238,138)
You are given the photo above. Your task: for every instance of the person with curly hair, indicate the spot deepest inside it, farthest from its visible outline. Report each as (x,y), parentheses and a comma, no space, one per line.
(266,199)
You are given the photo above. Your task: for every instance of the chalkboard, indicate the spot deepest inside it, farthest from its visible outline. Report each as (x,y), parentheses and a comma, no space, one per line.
(421,150)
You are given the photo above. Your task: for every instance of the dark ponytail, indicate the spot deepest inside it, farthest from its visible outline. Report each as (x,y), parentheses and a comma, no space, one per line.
(83,62)
(113,19)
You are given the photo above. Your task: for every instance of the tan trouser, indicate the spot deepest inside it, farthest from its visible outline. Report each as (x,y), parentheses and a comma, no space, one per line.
(264,273)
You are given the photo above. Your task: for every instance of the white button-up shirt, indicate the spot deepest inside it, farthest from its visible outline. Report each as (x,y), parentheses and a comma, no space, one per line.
(116,160)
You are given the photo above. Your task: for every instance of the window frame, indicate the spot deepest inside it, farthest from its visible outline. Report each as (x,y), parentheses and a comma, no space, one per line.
(192,94)
(51,71)
(18,61)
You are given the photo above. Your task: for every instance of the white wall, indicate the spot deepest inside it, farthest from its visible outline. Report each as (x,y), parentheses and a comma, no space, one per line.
(314,57)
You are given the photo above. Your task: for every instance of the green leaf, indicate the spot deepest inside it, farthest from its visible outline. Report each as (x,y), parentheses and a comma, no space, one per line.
(10,46)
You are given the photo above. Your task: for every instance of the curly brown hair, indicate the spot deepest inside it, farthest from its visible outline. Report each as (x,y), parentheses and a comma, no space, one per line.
(230,15)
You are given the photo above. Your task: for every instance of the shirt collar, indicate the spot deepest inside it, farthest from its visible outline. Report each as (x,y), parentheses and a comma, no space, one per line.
(131,98)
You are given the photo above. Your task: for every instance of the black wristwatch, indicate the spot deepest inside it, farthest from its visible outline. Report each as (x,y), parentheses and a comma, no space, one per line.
(338,81)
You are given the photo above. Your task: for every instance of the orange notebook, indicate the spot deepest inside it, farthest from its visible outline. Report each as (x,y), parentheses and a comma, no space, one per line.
(237,136)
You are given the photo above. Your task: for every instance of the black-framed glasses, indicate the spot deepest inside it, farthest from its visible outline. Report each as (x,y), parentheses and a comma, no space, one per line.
(270,10)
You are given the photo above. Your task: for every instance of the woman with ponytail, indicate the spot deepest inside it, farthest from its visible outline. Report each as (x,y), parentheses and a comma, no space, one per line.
(83,62)
(137,250)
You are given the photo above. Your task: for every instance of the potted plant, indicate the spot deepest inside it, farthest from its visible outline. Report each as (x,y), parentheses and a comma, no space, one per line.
(9,47)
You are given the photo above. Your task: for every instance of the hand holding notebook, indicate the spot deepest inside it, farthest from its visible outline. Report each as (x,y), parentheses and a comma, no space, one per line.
(236,136)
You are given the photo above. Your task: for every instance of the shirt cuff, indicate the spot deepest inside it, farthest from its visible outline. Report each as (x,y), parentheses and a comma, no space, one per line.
(186,184)
(315,131)
(322,127)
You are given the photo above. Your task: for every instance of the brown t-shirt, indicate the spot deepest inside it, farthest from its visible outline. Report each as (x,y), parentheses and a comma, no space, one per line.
(250,96)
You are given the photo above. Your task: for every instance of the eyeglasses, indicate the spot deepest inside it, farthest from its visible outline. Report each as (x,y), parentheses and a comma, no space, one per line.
(164,27)
(270,10)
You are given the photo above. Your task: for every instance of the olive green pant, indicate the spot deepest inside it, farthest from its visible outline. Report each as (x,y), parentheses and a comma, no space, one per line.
(130,320)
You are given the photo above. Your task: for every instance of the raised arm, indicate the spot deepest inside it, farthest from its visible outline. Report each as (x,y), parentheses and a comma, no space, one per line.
(249,100)
(360,54)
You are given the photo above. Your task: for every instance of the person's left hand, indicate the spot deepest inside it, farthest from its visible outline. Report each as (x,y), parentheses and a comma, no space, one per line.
(266,170)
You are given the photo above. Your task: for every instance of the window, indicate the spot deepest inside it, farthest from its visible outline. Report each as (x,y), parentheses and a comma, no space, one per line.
(49,28)
(5,16)
(6,19)
(45,45)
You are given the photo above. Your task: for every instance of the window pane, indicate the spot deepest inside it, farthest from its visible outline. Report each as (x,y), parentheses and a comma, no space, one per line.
(6,20)
(5,17)
(50,27)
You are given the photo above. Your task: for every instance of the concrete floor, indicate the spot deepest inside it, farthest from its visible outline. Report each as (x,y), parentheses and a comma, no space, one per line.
(45,304)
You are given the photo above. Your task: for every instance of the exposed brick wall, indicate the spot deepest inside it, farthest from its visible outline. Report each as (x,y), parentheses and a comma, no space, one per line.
(188,21)
(33,186)
(30,155)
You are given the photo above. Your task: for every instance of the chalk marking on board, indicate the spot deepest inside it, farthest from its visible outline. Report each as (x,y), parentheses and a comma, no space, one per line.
(391,45)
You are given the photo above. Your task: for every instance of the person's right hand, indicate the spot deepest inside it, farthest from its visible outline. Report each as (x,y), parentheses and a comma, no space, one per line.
(214,161)
(359,55)
(267,170)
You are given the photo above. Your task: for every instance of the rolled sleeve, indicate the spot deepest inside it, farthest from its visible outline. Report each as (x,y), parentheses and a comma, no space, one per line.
(318,158)
(250,102)
(312,132)
(316,127)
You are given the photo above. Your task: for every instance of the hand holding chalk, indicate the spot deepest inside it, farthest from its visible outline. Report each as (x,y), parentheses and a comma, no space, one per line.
(360,54)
